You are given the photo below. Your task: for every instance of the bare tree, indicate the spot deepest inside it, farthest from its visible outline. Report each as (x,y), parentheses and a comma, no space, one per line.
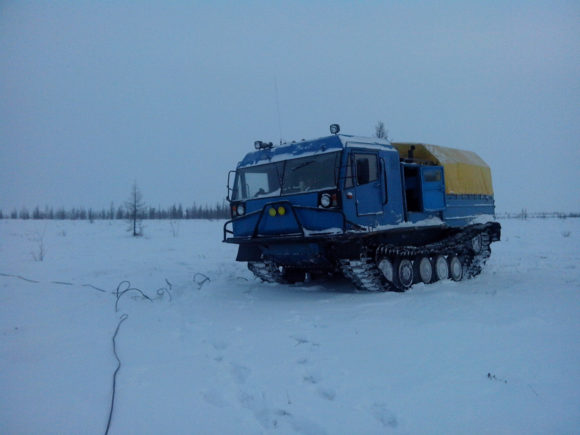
(135,211)
(380,131)
(38,239)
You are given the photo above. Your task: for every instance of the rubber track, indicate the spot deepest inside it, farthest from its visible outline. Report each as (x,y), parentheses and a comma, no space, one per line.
(266,271)
(474,263)
(456,244)
(364,274)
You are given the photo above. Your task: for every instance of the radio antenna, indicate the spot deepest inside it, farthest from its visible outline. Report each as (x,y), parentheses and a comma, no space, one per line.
(278,107)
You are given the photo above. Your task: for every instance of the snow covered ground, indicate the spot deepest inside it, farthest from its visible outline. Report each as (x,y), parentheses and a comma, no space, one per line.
(497,354)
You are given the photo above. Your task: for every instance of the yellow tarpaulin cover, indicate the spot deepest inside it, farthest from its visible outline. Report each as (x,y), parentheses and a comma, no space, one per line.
(465,171)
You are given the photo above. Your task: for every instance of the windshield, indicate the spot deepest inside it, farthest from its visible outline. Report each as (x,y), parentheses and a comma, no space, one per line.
(291,176)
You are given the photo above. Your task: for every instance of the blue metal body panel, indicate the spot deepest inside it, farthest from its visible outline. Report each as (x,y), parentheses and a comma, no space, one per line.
(317,220)
(301,212)
(278,224)
(462,210)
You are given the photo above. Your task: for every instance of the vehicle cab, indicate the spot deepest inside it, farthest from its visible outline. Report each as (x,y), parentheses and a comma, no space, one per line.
(329,185)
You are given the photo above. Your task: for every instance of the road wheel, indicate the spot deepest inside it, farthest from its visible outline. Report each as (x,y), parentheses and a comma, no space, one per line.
(423,270)
(403,273)
(455,268)
(441,268)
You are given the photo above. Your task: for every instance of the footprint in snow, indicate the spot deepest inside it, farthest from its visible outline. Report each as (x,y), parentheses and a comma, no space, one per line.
(277,418)
(214,398)
(219,345)
(384,415)
(326,393)
(240,373)
(301,339)
(311,378)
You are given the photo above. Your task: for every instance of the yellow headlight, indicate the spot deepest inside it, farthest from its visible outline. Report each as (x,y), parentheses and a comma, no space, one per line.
(272,211)
(281,211)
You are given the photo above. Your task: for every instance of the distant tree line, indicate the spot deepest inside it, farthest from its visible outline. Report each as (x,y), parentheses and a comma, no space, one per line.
(176,211)
(218,211)
(524,214)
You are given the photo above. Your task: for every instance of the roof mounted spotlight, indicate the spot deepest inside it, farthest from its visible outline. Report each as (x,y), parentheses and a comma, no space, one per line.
(259,145)
(334,128)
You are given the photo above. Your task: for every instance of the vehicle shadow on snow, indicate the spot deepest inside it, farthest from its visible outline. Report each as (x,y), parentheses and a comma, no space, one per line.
(337,286)
(243,284)
(321,288)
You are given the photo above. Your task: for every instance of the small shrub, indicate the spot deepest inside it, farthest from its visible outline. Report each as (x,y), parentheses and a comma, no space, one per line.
(40,252)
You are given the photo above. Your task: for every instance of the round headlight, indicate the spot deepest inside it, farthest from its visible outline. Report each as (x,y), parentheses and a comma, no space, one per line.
(325,200)
(241,209)
(281,211)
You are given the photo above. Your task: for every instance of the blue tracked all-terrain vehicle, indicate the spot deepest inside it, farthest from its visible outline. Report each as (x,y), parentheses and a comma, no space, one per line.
(386,215)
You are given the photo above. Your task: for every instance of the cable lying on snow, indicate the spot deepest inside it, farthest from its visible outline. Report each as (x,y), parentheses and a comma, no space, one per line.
(52,282)
(121,320)
(200,279)
(123,288)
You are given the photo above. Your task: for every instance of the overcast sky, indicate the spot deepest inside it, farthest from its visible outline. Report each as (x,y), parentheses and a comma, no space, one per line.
(96,95)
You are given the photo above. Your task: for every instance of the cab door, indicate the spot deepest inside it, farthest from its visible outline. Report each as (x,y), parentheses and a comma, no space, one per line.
(367,179)
(432,188)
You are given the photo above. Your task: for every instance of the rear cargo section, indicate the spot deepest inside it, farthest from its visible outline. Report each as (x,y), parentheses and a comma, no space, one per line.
(465,172)
(468,186)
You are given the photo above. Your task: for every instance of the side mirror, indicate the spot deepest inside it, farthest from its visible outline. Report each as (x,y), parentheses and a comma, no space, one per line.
(230,189)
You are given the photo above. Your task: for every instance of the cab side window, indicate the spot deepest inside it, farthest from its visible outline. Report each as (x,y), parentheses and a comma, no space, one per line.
(432,176)
(366,168)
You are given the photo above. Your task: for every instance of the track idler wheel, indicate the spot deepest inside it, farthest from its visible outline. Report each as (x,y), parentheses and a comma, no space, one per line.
(387,269)
(477,244)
